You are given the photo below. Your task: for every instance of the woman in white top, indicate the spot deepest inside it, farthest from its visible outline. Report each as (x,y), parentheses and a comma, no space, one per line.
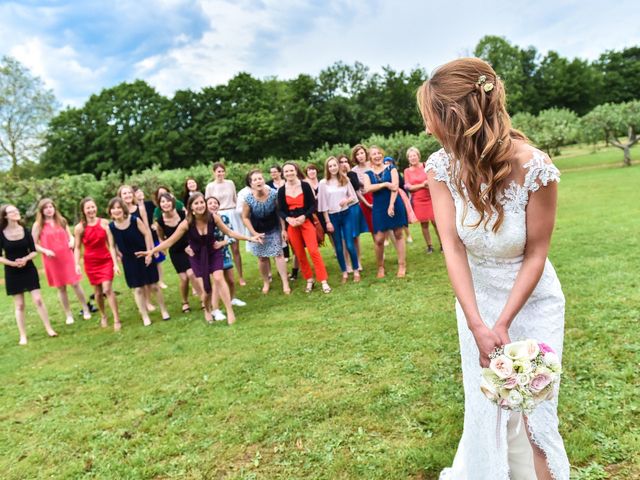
(335,196)
(225,191)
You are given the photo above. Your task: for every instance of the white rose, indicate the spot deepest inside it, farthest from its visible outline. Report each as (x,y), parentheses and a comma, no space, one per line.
(533,348)
(502,366)
(552,361)
(523,379)
(515,398)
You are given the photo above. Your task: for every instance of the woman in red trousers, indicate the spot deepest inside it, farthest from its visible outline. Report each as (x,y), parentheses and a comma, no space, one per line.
(296,205)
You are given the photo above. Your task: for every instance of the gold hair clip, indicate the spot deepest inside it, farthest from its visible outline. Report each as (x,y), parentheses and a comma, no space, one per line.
(482,82)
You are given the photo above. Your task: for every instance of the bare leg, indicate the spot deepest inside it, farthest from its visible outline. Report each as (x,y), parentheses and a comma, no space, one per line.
(141,302)
(107,287)
(184,287)
(155,288)
(36,296)
(265,269)
(228,277)
(401,249)
(64,300)
(408,236)
(539,458)
(147,298)
(223,290)
(281,265)
(426,234)
(97,289)
(237,261)
(378,244)
(161,283)
(18,302)
(82,298)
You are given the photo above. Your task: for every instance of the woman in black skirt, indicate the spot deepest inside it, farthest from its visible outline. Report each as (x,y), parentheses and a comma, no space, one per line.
(17,251)
(166,224)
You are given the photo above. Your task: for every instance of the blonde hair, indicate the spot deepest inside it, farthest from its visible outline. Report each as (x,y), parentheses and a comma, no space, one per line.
(416,151)
(464,105)
(57,217)
(341,177)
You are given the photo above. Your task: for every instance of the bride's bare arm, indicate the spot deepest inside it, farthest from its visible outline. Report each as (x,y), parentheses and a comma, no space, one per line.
(541,216)
(458,269)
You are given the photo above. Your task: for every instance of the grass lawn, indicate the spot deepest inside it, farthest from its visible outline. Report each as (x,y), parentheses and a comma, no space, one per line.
(364,383)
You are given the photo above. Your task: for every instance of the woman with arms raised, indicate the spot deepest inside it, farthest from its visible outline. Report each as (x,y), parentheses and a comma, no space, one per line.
(494,197)
(207,260)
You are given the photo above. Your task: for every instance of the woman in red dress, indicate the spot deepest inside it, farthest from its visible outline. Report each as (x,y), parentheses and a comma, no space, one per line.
(94,235)
(415,180)
(53,239)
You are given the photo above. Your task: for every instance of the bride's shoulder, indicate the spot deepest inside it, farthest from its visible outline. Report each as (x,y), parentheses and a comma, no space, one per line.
(438,163)
(534,166)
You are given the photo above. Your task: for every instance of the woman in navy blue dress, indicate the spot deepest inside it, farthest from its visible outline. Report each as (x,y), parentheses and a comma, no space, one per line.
(388,210)
(130,234)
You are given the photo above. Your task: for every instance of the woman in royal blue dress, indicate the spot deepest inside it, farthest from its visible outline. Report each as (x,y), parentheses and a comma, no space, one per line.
(388,210)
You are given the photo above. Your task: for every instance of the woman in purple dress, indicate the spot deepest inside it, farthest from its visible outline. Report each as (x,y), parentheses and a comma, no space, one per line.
(207,261)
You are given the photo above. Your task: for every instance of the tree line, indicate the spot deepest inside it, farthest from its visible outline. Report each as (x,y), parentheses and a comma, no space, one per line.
(130,127)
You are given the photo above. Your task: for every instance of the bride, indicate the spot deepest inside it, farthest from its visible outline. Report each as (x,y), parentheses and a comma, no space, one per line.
(495,201)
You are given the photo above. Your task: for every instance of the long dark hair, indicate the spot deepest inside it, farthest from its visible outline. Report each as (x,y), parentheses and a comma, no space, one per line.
(3,216)
(191,218)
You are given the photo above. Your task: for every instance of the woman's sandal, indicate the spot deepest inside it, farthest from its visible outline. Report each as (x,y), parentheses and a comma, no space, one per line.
(326,288)
(186,308)
(402,271)
(309,287)
(356,276)
(380,273)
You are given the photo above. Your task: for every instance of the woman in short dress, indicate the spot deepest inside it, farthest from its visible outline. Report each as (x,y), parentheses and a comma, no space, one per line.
(207,260)
(17,251)
(223,241)
(361,164)
(166,224)
(130,234)
(388,212)
(54,240)
(260,216)
(93,236)
(415,180)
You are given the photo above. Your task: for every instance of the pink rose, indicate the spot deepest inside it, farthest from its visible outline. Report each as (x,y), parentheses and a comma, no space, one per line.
(540,381)
(502,366)
(544,348)
(510,382)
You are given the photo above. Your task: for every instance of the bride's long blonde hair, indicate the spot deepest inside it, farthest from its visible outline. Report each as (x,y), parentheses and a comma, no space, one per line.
(464,106)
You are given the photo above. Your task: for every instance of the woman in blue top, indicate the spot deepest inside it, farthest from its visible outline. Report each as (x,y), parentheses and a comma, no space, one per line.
(388,210)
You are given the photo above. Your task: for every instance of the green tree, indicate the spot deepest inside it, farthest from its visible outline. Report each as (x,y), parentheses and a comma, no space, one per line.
(621,75)
(26,107)
(612,120)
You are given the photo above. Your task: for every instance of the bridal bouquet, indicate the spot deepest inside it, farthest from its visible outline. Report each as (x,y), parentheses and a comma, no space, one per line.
(521,375)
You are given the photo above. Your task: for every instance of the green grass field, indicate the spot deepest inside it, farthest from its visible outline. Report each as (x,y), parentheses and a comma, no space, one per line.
(360,384)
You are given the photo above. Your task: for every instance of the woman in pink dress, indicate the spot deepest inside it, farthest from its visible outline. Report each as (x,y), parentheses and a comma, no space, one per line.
(53,239)
(415,180)
(100,263)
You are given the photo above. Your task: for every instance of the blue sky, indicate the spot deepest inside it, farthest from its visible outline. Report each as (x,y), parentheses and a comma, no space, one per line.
(80,47)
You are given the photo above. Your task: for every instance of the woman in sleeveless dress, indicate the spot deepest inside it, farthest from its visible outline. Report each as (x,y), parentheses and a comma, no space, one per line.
(207,260)
(92,234)
(166,224)
(130,234)
(415,181)
(54,240)
(17,251)
(495,201)
(361,163)
(388,212)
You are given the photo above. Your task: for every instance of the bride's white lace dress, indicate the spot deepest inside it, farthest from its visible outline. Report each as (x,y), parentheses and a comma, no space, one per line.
(494,260)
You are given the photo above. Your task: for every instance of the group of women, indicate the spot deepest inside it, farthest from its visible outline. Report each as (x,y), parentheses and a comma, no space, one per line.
(199,233)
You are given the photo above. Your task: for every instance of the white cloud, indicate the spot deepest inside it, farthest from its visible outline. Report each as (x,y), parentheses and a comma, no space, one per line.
(60,69)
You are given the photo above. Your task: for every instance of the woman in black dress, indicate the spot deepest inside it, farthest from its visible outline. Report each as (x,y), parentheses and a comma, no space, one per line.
(166,224)
(17,250)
